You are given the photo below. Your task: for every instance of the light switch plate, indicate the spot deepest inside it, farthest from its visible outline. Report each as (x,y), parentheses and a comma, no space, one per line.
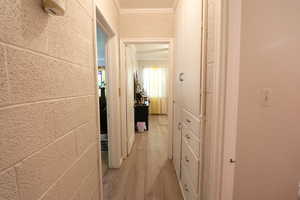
(299,191)
(266,97)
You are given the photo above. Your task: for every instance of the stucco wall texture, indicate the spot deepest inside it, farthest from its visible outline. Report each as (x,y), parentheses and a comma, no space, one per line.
(151,25)
(48,123)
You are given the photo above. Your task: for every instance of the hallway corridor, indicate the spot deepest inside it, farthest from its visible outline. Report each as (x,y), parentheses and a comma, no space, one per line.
(147,174)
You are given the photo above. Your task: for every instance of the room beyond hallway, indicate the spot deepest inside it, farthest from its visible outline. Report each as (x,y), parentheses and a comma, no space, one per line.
(147,174)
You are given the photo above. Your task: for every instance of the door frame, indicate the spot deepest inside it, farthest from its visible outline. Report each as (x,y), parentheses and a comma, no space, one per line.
(222,146)
(123,86)
(127,141)
(233,10)
(114,149)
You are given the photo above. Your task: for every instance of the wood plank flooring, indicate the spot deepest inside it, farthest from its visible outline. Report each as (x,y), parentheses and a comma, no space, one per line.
(146,174)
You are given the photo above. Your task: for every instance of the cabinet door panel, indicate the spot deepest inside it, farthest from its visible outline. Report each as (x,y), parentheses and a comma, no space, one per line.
(192,55)
(179,52)
(177,139)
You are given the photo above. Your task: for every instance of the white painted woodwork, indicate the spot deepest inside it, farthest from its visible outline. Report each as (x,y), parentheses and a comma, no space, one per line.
(188,192)
(192,122)
(232,98)
(187,87)
(179,43)
(189,137)
(177,140)
(130,97)
(123,91)
(192,55)
(190,163)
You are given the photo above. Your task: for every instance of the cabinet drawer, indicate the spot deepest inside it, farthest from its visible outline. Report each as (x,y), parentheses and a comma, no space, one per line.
(191,122)
(190,166)
(188,191)
(192,141)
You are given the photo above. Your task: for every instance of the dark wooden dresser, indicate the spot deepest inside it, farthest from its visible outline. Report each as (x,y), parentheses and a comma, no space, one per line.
(141,114)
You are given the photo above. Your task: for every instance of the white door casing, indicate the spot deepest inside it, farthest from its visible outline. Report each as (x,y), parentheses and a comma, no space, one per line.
(129,61)
(123,88)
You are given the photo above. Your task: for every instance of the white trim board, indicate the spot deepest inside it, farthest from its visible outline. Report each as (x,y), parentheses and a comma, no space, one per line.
(223,137)
(117,4)
(175,4)
(232,97)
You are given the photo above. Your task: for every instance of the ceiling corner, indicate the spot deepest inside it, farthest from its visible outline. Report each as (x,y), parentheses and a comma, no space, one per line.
(117,4)
(175,4)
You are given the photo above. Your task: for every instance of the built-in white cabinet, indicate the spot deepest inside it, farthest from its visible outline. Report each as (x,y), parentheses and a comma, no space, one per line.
(177,141)
(188,116)
(191,155)
(188,55)
(192,55)
(179,51)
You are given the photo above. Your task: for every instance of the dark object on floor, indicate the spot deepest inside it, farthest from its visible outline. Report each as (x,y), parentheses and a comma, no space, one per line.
(103,112)
(103,120)
(141,114)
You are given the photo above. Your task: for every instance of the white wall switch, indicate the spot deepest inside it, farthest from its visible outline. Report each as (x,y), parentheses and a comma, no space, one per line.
(299,191)
(266,95)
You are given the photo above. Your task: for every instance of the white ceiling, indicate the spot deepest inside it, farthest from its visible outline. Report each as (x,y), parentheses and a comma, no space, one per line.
(146,4)
(148,47)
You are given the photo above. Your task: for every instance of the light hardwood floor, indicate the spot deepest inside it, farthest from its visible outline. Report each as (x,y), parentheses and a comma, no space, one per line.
(146,174)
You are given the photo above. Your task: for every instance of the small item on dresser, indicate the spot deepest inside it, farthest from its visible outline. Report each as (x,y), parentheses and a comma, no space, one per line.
(141,127)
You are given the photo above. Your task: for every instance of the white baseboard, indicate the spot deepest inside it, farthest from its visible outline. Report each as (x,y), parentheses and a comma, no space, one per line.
(130,143)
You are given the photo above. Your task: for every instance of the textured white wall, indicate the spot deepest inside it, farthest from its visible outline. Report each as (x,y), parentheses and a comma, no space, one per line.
(146,25)
(48,146)
(268,164)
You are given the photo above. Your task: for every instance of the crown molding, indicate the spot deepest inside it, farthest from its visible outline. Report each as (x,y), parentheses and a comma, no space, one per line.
(151,60)
(175,4)
(152,51)
(148,11)
(117,4)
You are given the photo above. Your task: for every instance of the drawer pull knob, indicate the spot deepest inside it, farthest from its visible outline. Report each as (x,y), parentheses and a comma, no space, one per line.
(179,126)
(186,188)
(187,159)
(181,79)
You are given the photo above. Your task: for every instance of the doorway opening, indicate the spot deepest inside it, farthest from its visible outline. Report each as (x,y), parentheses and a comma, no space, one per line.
(104,37)
(151,86)
(102,84)
(146,66)
(146,171)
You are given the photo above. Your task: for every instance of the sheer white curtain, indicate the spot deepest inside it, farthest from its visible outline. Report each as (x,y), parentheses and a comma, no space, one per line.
(155,85)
